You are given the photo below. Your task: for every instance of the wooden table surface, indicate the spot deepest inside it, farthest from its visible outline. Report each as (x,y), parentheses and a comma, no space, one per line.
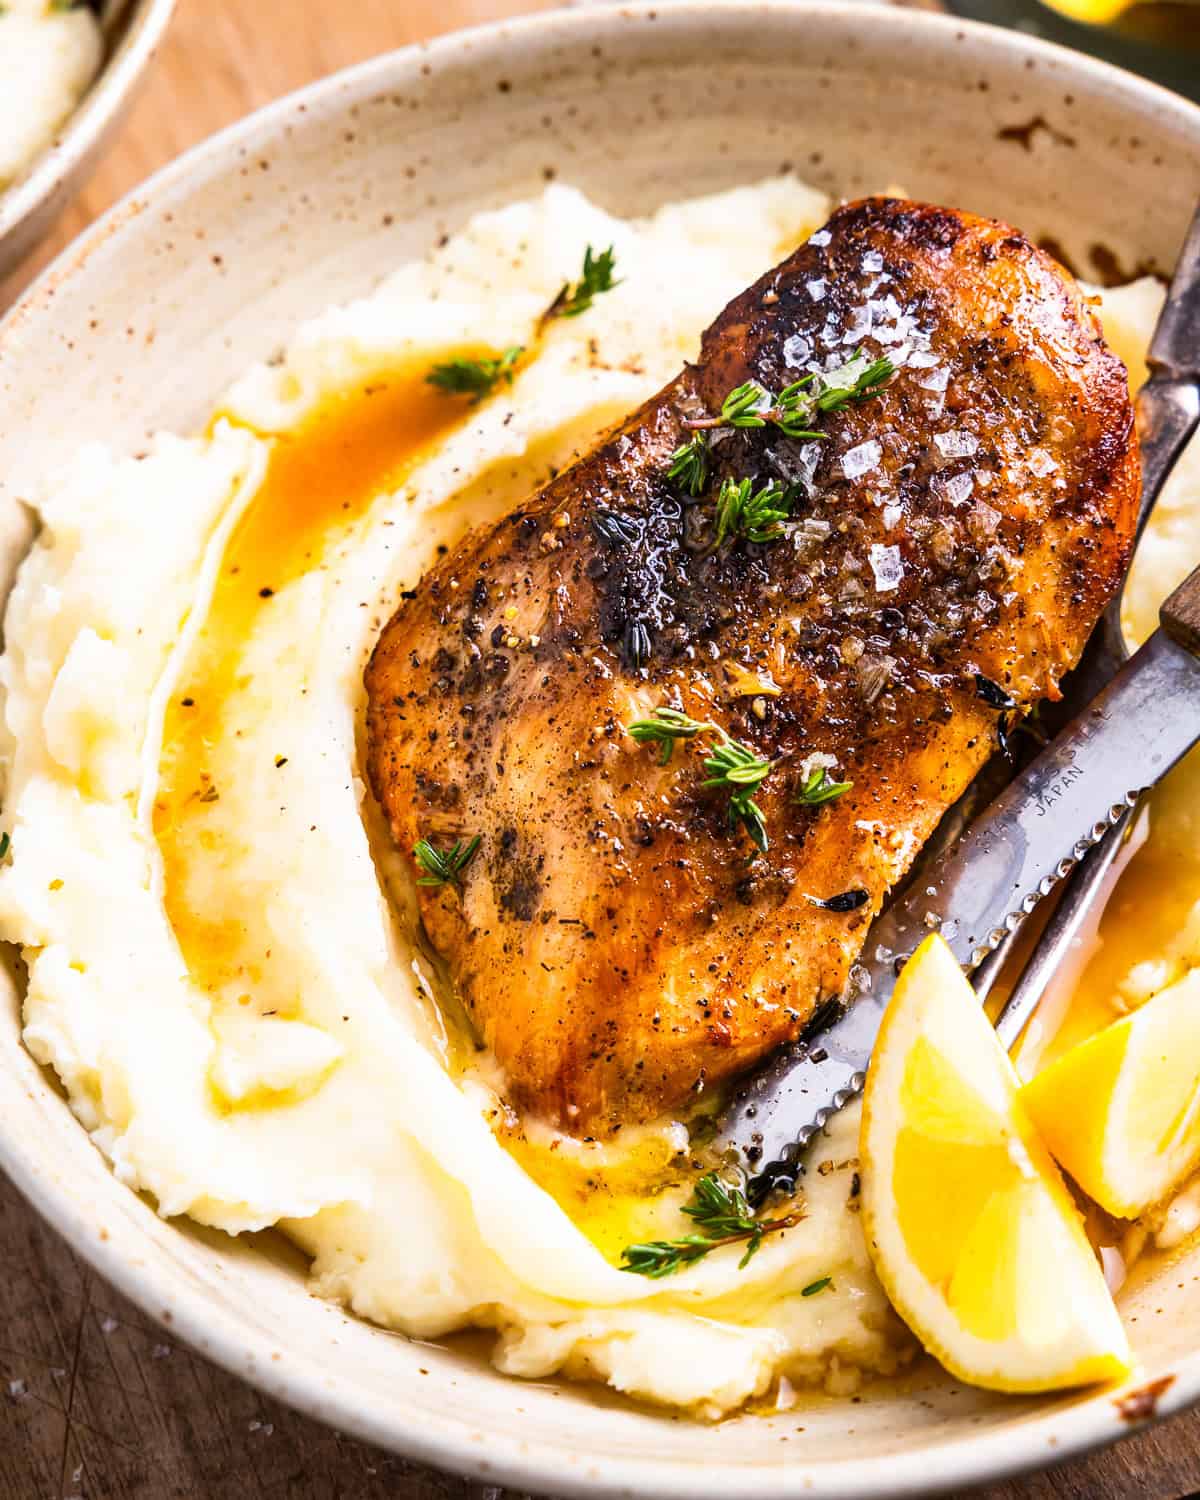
(95,1401)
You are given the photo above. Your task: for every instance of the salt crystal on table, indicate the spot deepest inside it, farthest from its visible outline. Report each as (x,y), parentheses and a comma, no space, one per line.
(17,1389)
(891,514)
(923,359)
(958,490)
(816,288)
(956,443)
(109,1325)
(861,460)
(872,261)
(161,1351)
(887,567)
(936,380)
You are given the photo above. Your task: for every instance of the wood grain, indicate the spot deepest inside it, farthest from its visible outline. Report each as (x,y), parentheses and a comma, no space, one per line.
(96,1403)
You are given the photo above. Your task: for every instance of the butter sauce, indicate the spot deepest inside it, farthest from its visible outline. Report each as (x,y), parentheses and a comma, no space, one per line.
(321,477)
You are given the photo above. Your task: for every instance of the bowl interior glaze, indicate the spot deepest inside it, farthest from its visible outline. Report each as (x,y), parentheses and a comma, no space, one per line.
(146,318)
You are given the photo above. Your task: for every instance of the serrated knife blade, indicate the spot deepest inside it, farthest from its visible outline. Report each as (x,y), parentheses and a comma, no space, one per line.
(1063,802)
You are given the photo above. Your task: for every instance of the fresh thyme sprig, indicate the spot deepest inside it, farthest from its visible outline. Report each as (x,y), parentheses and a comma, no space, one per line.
(735,768)
(723,1216)
(445,867)
(476,378)
(731,766)
(797,405)
(576,297)
(743,511)
(690,464)
(667,726)
(820,787)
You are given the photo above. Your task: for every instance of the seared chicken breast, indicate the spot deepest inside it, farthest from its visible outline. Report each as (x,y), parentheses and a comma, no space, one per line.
(626,936)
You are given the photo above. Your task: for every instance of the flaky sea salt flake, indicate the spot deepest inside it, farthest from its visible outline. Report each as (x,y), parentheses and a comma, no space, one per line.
(957,443)
(796,350)
(862,459)
(1040,463)
(887,566)
(859,325)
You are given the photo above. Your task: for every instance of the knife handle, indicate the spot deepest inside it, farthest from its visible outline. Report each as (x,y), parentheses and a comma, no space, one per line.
(1180,614)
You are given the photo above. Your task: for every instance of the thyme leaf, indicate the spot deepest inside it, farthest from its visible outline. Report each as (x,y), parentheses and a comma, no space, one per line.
(732,767)
(735,768)
(814,1287)
(445,867)
(754,515)
(663,728)
(856,380)
(820,787)
(476,378)
(689,464)
(798,405)
(576,297)
(743,405)
(724,1217)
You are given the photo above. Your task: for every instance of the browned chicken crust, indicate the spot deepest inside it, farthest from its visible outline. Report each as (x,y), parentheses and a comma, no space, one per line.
(617,944)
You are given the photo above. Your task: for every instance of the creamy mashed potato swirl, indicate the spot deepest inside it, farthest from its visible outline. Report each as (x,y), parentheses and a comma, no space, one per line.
(303,1078)
(49,55)
(224,964)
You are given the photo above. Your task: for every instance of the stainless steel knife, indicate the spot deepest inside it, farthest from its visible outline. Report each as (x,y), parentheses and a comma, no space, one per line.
(1049,816)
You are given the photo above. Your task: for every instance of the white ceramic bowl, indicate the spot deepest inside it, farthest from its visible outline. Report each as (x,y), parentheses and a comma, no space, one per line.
(28,208)
(154,310)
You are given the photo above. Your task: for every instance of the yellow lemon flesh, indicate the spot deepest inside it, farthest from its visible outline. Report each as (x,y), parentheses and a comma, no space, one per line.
(1121,1111)
(972,1230)
(1092,12)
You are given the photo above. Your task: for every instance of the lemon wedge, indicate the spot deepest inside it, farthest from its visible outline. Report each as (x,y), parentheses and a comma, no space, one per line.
(1121,1111)
(972,1230)
(1091,12)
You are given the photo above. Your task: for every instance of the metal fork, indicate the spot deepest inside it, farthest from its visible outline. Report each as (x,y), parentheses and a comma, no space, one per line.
(1168,413)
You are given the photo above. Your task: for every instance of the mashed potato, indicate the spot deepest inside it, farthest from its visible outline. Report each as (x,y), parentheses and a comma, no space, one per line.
(49,55)
(224,962)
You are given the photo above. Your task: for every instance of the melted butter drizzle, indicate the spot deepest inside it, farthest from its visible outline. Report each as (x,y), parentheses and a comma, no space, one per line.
(321,477)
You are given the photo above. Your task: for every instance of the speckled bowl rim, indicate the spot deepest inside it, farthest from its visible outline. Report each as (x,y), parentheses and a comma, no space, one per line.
(442,1440)
(89,123)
